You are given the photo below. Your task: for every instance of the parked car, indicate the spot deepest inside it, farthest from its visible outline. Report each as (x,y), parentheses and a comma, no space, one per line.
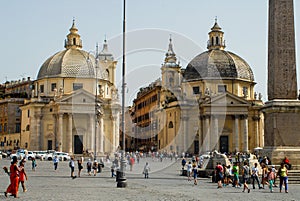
(62,156)
(19,154)
(4,155)
(30,155)
(40,155)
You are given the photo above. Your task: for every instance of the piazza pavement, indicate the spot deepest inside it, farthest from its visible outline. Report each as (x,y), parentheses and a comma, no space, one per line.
(164,184)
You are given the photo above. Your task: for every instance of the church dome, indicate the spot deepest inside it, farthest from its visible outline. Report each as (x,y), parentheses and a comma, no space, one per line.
(216,63)
(71,62)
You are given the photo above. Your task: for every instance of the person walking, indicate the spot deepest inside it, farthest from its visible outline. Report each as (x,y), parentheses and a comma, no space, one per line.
(254,176)
(80,167)
(13,187)
(271,178)
(72,167)
(189,171)
(283,176)
(195,174)
(55,162)
(146,170)
(95,167)
(22,174)
(246,175)
(89,167)
(219,174)
(33,164)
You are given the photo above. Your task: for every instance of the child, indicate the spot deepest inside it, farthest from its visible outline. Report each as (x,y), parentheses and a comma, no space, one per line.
(271,178)
(33,164)
(22,174)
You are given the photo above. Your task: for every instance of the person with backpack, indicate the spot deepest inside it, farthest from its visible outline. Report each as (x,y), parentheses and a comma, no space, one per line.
(254,176)
(283,176)
(72,167)
(246,175)
(219,174)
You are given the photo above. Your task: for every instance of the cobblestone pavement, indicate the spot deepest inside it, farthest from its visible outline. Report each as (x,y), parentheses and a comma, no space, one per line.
(164,184)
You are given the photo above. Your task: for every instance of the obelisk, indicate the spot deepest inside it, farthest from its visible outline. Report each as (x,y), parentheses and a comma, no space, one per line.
(282,110)
(282,81)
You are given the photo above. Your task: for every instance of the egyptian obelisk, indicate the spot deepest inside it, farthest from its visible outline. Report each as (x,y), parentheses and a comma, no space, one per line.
(282,110)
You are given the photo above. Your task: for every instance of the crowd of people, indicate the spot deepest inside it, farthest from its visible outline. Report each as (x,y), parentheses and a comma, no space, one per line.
(239,173)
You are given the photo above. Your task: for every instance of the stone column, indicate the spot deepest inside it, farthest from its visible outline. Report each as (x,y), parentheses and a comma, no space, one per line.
(214,133)
(93,133)
(236,133)
(101,130)
(256,130)
(245,133)
(206,140)
(89,135)
(69,134)
(185,133)
(113,118)
(60,132)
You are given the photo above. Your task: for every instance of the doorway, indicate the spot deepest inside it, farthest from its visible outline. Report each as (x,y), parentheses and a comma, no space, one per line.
(49,145)
(78,144)
(224,144)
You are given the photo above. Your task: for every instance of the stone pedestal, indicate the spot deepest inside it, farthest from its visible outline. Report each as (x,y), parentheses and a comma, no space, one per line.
(282,130)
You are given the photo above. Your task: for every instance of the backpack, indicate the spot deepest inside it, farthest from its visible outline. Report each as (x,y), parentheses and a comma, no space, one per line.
(70,164)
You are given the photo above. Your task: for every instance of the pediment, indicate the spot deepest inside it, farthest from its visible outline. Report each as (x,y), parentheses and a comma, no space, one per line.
(78,96)
(227,99)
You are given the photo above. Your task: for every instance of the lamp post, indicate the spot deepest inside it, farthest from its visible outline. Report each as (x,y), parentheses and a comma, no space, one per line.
(96,100)
(122,179)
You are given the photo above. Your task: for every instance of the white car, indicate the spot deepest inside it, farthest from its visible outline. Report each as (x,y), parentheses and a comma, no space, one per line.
(40,155)
(19,154)
(30,155)
(62,156)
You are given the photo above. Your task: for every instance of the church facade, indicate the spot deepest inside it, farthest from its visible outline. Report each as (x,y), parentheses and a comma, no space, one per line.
(74,105)
(209,105)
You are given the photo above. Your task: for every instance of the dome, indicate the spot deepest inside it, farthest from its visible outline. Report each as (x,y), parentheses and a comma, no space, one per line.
(69,63)
(218,64)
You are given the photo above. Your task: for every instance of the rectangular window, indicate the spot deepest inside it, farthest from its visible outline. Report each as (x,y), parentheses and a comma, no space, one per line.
(18,128)
(196,90)
(0,127)
(28,113)
(53,86)
(77,86)
(42,88)
(5,127)
(222,88)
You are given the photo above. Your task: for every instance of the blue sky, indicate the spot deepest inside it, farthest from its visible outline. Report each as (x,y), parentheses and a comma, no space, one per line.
(32,31)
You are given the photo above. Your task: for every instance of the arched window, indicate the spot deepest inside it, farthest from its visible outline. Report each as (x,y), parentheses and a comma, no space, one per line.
(28,128)
(217,40)
(170,124)
(212,41)
(74,41)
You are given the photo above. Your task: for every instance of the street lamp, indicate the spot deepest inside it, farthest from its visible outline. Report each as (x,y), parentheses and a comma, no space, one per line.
(122,179)
(97,104)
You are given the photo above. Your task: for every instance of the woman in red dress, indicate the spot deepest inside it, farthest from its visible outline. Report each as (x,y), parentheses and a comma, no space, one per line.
(14,178)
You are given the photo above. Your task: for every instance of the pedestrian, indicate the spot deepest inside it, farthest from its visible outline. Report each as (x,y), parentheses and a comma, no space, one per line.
(235,172)
(131,163)
(72,167)
(112,170)
(80,167)
(22,174)
(246,175)
(13,187)
(271,178)
(283,176)
(89,167)
(287,163)
(195,174)
(183,162)
(219,174)
(254,176)
(275,173)
(33,164)
(264,175)
(189,171)
(95,167)
(146,170)
(55,162)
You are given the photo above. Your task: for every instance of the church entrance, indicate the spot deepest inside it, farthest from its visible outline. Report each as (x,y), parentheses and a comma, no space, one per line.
(78,144)
(224,144)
